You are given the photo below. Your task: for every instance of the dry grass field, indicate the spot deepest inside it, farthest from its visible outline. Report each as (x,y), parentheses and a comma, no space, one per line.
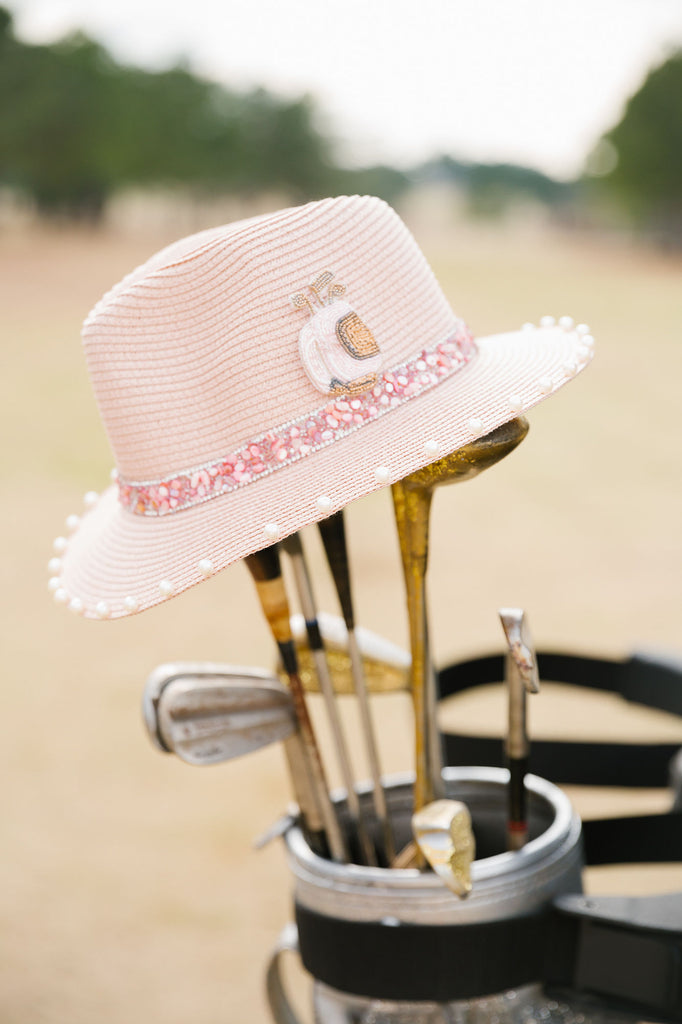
(129,891)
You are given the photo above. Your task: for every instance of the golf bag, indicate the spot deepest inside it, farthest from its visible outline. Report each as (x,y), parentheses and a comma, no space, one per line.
(527,945)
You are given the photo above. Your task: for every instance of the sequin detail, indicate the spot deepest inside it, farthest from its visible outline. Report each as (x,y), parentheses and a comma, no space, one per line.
(296,440)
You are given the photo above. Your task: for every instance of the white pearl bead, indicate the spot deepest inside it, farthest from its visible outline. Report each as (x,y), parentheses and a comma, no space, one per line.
(54,583)
(60,545)
(570,369)
(431,449)
(515,403)
(131,604)
(583,353)
(588,340)
(324,503)
(113,476)
(76,606)
(205,567)
(547,321)
(382,474)
(60,596)
(102,610)
(90,499)
(272,531)
(546,386)
(475,425)
(165,588)
(528,327)
(72,522)
(54,566)
(566,323)
(582,329)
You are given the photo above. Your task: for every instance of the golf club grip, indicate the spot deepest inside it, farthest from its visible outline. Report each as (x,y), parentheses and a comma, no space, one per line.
(264,564)
(333,534)
(294,549)
(266,570)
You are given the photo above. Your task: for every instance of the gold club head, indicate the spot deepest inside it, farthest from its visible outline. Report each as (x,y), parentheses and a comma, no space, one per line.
(472,458)
(443,832)
(386,666)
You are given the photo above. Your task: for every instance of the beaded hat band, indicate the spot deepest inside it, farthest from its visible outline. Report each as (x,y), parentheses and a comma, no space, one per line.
(256,377)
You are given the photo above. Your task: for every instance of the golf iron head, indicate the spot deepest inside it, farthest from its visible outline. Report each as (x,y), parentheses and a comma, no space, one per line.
(207,713)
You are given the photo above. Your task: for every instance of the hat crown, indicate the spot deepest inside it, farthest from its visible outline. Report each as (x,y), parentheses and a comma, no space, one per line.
(197,351)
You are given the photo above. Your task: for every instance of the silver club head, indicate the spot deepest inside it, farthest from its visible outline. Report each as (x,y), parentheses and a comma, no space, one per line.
(521,650)
(207,713)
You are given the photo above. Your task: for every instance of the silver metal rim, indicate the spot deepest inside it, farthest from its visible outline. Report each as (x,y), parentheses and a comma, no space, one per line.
(503,885)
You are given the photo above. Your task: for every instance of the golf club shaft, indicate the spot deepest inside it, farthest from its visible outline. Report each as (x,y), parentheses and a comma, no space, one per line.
(522,677)
(412,508)
(304,793)
(267,574)
(517,749)
(379,796)
(294,548)
(332,531)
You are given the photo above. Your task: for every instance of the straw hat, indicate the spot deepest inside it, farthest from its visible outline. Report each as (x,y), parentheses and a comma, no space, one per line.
(256,377)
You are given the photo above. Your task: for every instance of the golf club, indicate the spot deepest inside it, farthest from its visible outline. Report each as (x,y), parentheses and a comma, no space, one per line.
(294,549)
(333,534)
(207,714)
(443,833)
(266,571)
(412,503)
(522,677)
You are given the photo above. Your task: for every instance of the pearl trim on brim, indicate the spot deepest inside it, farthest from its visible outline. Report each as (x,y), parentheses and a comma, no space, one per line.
(115,560)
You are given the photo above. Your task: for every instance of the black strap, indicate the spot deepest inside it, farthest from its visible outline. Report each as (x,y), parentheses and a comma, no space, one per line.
(639,839)
(418,963)
(623,952)
(648,679)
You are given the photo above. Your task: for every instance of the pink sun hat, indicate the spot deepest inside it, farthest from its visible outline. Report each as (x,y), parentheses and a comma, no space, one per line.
(256,377)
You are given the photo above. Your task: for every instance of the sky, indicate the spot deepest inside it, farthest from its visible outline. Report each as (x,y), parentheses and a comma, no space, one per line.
(534,82)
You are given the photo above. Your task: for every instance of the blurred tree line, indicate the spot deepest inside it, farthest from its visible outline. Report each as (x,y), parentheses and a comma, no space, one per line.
(644,154)
(490,188)
(75,126)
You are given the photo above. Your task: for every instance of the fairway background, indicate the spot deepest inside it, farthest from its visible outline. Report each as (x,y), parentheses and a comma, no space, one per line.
(129,891)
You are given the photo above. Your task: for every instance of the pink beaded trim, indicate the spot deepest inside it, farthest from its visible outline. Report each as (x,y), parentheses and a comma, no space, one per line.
(293,441)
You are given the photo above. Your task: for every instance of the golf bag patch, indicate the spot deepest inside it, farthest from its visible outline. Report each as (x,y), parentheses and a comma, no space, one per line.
(338,350)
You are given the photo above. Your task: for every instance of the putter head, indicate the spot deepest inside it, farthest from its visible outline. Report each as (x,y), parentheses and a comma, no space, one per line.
(207,713)
(470,460)
(386,666)
(444,835)
(521,649)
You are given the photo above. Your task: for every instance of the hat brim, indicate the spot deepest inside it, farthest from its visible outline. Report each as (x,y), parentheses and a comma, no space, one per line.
(117,562)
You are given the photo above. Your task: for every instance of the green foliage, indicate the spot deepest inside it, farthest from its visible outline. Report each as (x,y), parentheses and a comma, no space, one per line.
(647,176)
(379,180)
(75,125)
(490,189)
